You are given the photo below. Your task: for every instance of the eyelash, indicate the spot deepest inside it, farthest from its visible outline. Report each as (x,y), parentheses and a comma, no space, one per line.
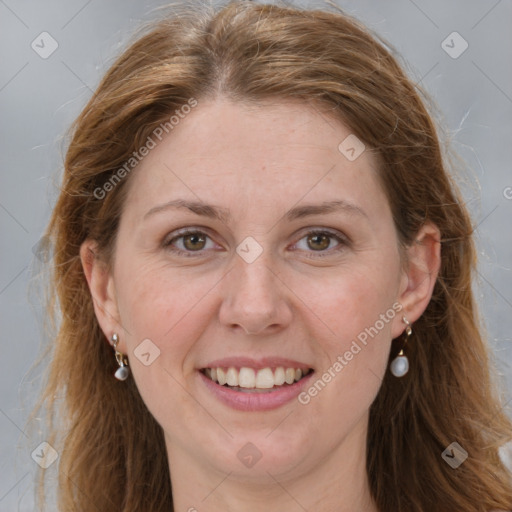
(343,242)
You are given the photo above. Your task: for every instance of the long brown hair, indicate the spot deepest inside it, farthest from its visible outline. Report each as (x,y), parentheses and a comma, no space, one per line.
(112,452)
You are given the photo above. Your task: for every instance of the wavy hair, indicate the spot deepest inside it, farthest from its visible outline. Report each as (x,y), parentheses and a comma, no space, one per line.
(250,52)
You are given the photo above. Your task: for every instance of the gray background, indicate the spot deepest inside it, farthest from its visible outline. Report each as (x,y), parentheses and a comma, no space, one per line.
(39,98)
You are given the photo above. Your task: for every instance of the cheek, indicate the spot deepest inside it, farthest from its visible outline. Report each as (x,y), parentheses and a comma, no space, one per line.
(357,311)
(158,309)
(157,300)
(163,313)
(356,304)
(355,358)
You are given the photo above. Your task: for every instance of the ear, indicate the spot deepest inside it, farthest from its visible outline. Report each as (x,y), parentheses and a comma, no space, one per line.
(101,286)
(420,275)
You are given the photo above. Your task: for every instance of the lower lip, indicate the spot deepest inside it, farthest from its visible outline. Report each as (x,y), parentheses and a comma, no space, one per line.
(256,401)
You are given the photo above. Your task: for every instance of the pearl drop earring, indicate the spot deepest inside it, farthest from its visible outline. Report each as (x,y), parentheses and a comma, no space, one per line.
(400,364)
(123,371)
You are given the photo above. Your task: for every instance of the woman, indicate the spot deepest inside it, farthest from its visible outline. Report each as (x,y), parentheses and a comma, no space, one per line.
(264,272)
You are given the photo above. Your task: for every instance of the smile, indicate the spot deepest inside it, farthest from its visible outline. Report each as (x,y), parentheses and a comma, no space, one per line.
(246,379)
(246,388)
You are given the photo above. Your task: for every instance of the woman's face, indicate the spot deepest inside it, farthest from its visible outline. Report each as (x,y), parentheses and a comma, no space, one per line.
(270,279)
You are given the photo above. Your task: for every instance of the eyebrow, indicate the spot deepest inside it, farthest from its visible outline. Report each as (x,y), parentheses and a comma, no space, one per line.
(223,214)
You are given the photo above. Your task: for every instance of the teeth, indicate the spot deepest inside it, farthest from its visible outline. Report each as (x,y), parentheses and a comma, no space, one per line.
(265,379)
(279,377)
(232,377)
(249,378)
(221,376)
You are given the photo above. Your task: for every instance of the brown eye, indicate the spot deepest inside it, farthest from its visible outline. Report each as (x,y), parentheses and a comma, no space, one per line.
(319,242)
(194,242)
(189,243)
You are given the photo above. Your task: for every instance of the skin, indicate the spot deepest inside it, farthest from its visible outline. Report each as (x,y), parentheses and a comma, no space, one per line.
(259,162)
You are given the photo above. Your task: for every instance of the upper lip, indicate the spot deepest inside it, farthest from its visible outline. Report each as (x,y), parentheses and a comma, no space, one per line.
(257,364)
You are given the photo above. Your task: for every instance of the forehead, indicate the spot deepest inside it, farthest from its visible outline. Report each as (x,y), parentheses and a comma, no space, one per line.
(270,154)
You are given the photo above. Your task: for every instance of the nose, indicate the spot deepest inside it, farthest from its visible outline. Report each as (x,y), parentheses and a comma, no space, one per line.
(255,298)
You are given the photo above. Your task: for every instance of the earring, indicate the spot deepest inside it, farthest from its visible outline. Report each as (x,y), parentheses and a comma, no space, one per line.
(400,365)
(123,371)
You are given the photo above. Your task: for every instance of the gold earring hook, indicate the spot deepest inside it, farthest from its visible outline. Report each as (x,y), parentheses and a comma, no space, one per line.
(121,360)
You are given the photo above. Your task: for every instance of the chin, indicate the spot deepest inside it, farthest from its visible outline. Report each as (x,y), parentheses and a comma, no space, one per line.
(250,457)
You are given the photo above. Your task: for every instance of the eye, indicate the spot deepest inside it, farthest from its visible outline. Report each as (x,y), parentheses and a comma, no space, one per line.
(320,240)
(188,241)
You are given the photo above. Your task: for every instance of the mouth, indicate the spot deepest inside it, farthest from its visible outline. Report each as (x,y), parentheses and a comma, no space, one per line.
(251,380)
